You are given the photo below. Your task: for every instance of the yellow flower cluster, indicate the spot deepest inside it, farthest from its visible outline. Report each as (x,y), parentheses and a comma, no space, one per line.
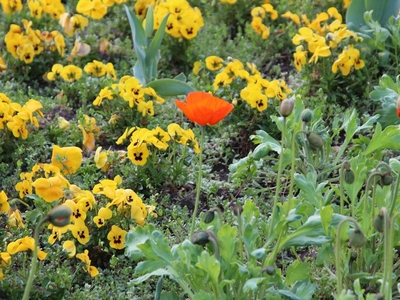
(96,9)
(259,14)
(16,117)
(258,89)
(132,91)
(54,8)
(183,21)
(319,37)
(141,138)
(26,43)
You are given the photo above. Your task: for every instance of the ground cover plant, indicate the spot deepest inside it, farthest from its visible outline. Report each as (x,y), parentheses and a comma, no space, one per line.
(199,149)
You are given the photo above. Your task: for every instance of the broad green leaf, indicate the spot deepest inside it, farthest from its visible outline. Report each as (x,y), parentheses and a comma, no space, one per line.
(159,272)
(298,270)
(310,233)
(355,14)
(289,295)
(226,240)
(180,77)
(250,237)
(360,166)
(395,165)
(170,87)
(326,217)
(160,246)
(202,295)
(252,284)
(266,143)
(134,238)
(304,289)
(389,138)
(150,266)
(382,10)
(209,264)
(139,72)
(171,295)
(384,94)
(152,52)
(309,188)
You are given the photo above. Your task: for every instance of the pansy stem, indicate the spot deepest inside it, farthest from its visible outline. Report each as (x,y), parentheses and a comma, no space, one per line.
(34,258)
(198,185)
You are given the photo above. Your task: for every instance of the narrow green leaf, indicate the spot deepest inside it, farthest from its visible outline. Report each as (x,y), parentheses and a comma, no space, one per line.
(152,51)
(149,26)
(170,87)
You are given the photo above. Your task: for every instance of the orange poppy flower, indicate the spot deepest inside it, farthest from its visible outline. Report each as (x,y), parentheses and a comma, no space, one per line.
(204,109)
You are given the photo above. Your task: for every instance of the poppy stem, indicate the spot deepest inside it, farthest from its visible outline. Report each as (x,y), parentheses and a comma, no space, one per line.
(198,185)
(34,258)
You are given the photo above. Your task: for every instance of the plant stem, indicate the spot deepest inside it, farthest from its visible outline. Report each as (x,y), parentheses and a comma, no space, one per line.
(386,287)
(291,183)
(278,182)
(198,185)
(34,259)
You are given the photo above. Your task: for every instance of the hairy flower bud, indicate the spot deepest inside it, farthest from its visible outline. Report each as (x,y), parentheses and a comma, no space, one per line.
(209,216)
(286,107)
(315,140)
(200,238)
(270,270)
(357,238)
(386,179)
(60,215)
(237,210)
(306,115)
(349,176)
(379,220)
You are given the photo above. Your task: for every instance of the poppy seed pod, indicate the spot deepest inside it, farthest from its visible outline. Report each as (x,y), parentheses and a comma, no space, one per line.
(270,270)
(315,140)
(60,215)
(200,238)
(286,107)
(357,238)
(306,115)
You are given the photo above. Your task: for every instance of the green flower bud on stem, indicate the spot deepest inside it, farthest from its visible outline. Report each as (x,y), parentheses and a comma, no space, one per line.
(209,216)
(306,115)
(270,270)
(357,238)
(315,140)
(200,238)
(379,220)
(237,210)
(349,176)
(286,107)
(59,216)
(386,179)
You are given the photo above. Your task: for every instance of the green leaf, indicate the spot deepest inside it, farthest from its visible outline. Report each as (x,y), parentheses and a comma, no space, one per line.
(170,87)
(389,138)
(150,266)
(138,37)
(297,271)
(310,233)
(355,14)
(209,264)
(202,295)
(309,188)
(149,26)
(326,217)
(159,272)
(266,143)
(252,284)
(180,77)
(226,241)
(304,289)
(259,253)
(134,238)
(152,52)
(250,237)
